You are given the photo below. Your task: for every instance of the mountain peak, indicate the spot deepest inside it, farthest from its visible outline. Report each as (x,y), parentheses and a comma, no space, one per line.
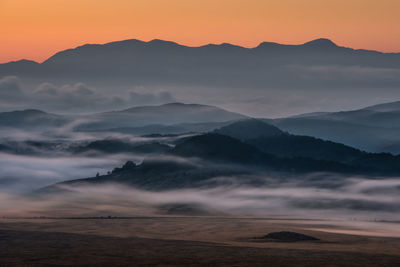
(269,45)
(21,63)
(249,129)
(159,42)
(321,43)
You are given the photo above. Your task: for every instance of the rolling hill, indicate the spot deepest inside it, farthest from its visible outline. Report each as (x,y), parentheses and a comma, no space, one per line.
(179,115)
(284,145)
(374,129)
(31,118)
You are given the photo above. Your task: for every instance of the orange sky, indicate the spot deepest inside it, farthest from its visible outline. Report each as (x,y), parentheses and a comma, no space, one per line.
(36,29)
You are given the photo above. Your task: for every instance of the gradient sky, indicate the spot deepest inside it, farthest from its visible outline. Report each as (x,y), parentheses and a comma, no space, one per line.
(36,29)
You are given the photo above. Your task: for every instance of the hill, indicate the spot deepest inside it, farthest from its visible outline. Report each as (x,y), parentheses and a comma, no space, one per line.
(195,162)
(31,118)
(284,145)
(221,148)
(374,129)
(385,107)
(167,118)
(271,139)
(167,114)
(249,129)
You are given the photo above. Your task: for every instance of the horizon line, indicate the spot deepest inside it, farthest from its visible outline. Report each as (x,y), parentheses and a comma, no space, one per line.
(204,45)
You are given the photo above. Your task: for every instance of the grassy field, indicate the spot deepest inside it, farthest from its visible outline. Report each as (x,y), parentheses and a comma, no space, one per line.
(195,241)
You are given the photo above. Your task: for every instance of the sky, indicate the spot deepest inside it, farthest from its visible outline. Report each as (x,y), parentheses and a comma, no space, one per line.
(36,29)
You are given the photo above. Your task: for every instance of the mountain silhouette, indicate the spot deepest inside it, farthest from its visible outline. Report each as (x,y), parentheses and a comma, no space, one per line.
(374,128)
(167,114)
(220,148)
(249,129)
(321,43)
(197,113)
(385,107)
(216,155)
(272,141)
(159,62)
(171,118)
(195,161)
(31,118)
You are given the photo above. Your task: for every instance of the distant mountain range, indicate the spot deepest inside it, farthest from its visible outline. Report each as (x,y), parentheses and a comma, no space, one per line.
(373,129)
(167,114)
(168,63)
(137,117)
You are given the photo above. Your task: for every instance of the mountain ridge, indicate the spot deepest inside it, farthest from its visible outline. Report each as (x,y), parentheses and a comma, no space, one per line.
(319,42)
(374,128)
(139,116)
(162,63)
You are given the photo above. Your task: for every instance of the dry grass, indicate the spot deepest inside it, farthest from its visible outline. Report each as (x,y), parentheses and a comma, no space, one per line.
(186,241)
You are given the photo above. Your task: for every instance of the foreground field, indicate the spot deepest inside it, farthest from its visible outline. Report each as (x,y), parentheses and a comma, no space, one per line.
(194,241)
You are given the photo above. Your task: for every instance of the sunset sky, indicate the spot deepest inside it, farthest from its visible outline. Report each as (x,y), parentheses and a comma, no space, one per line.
(36,29)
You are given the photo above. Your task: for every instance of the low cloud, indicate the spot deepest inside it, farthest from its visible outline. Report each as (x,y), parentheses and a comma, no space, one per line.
(73,98)
(22,173)
(10,90)
(280,198)
(338,74)
(257,194)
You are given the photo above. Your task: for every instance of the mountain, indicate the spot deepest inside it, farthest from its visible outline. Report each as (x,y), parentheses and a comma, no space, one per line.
(159,62)
(179,112)
(272,140)
(305,146)
(199,160)
(180,128)
(374,128)
(385,107)
(221,148)
(31,118)
(249,129)
(167,118)
(167,114)
(280,152)
(212,148)
(322,44)
(20,66)
(382,115)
